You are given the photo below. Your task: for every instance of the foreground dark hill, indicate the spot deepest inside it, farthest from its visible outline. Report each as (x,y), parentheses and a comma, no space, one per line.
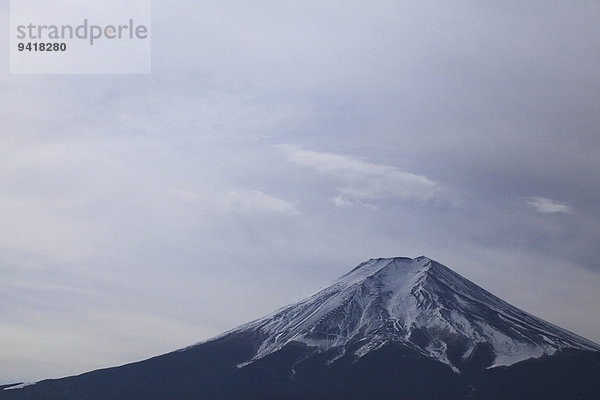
(389,329)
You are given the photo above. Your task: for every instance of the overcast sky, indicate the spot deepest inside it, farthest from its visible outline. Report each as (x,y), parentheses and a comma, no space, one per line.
(277,145)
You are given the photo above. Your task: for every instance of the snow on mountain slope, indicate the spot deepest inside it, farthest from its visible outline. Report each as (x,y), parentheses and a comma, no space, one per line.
(419,303)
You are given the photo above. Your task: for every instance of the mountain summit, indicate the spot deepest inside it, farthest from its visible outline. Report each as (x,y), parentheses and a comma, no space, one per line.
(421,304)
(390,328)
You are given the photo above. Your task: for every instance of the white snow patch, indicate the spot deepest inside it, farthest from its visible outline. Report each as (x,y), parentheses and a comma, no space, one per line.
(20,386)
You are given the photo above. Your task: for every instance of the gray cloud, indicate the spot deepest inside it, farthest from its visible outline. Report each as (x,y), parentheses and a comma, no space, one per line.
(237,201)
(364,182)
(548,206)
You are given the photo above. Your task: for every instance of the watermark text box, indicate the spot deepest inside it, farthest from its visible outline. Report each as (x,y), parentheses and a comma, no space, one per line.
(80,37)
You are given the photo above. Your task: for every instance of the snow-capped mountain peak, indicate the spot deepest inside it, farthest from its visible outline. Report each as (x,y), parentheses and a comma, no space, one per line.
(390,328)
(418,303)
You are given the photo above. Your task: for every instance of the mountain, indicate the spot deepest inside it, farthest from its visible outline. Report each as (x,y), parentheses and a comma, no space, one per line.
(390,328)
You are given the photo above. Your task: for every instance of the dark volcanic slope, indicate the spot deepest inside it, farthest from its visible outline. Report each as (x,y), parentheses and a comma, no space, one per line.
(391,328)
